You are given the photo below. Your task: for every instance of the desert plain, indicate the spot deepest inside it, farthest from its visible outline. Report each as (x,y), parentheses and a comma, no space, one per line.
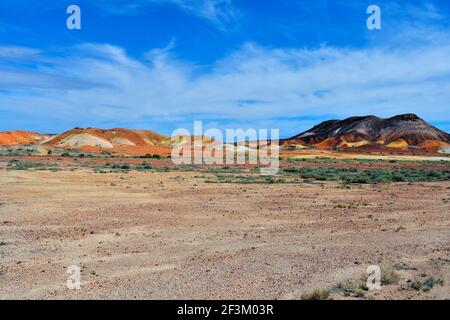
(162,233)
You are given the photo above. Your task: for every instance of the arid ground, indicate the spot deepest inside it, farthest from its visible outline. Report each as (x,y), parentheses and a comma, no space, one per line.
(155,234)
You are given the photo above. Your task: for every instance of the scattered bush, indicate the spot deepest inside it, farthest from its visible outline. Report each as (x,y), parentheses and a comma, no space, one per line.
(427,284)
(143,166)
(318,294)
(27,165)
(151,156)
(350,289)
(372,176)
(389,276)
(402,266)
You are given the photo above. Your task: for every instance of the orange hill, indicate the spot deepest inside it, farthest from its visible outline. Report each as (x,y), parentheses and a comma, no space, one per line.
(116,140)
(9,138)
(406,133)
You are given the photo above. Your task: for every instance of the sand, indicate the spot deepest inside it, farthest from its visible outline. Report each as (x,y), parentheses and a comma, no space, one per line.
(144,235)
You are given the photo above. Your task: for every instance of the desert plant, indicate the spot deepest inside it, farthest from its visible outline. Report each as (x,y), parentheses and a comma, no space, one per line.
(427,284)
(402,266)
(144,166)
(317,294)
(389,276)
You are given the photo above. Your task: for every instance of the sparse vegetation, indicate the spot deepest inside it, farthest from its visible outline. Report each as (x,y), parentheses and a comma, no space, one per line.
(427,284)
(363,176)
(402,266)
(143,166)
(151,156)
(349,289)
(399,229)
(28,165)
(389,276)
(242,212)
(289,172)
(317,294)
(346,176)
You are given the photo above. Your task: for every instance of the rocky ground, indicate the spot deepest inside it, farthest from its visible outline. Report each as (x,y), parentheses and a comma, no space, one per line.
(161,235)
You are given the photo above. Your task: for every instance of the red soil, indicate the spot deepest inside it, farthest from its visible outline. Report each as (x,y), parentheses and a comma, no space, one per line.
(10,138)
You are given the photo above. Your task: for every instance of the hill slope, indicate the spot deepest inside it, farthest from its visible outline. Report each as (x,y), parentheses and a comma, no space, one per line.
(10,138)
(119,140)
(107,139)
(402,131)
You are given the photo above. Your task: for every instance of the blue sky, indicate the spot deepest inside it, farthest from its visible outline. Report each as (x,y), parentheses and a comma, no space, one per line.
(161,64)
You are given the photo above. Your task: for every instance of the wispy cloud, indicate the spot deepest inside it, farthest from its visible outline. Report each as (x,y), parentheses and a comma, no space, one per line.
(425,11)
(160,53)
(254,85)
(219,12)
(405,69)
(12,52)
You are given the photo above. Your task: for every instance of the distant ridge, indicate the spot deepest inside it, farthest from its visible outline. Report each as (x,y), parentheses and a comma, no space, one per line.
(106,139)
(402,131)
(11,138)
(405,132)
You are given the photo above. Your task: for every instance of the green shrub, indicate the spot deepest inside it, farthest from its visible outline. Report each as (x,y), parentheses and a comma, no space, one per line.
(143,166)
(151,156)
(427,284)
(27,165)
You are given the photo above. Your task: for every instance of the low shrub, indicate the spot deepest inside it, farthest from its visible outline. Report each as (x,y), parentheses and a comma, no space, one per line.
(389,276)
(317,294)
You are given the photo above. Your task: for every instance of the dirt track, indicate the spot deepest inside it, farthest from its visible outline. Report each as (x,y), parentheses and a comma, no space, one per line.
(170,235)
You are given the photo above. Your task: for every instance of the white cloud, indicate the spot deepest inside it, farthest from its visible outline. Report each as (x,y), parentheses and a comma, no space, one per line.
(426,11)
(160,53)
(219,12)
(254,85)
(12,52)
